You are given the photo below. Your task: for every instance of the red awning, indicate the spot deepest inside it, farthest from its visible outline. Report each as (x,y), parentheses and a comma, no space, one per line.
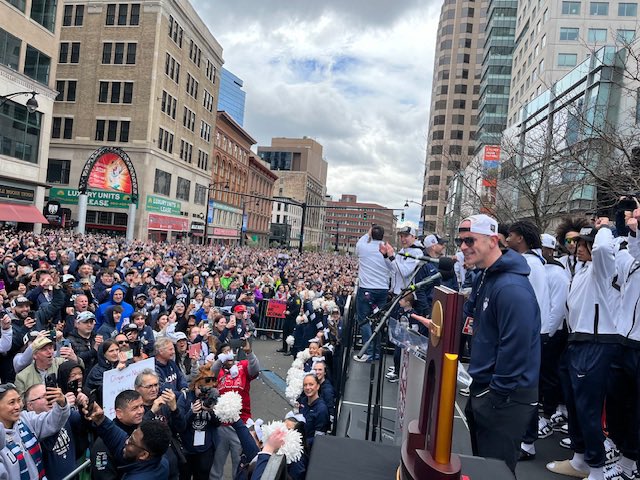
(11,212)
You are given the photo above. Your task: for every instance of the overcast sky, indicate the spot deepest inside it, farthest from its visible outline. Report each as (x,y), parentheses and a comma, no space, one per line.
(355,75)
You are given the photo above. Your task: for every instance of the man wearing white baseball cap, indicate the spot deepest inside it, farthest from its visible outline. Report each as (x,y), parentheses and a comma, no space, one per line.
(505,354)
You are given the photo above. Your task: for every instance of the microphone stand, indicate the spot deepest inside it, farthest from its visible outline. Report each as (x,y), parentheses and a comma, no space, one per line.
(387,309)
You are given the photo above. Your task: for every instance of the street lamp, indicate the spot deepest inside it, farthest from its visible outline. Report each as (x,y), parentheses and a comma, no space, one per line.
(335,249)
(206,223)
(32,103)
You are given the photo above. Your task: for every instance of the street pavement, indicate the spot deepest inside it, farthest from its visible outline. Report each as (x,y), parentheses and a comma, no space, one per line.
(269,403)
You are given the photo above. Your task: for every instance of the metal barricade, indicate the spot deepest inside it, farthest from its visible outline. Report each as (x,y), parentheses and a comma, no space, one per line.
(267,324)
(83,467)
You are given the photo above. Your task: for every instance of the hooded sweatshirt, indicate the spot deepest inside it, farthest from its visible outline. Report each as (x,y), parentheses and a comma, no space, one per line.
(42,425)
(505,353)
(628,268)
(127,309)
(94,380)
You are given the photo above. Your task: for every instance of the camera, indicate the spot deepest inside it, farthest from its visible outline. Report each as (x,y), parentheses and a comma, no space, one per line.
(209,396)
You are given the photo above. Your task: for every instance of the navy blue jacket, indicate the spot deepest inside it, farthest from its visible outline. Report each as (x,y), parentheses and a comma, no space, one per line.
(316,416)
(114,438)
(505,353)
(170,376)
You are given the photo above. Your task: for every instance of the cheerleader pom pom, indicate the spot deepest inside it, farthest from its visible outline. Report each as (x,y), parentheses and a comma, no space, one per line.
(228,407)
(290,340)
(292,448)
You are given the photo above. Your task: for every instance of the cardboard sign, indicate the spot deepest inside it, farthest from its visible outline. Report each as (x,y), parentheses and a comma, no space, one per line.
(276,308)
(468,326)
(115,381)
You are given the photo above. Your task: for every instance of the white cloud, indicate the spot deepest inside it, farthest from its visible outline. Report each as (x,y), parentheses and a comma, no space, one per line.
(355,76)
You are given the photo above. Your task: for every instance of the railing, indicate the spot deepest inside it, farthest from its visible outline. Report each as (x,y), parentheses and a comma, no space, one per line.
(348,342)
(83,467)
(267,324)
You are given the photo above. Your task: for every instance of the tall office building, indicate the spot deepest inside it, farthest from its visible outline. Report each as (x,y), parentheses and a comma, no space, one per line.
(29,34)
(135,116)
(552,37)
(232,97)
(454,103)
(495,81)
(302,176)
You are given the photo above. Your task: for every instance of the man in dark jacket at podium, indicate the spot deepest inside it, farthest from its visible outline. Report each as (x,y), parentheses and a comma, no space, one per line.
(505,354)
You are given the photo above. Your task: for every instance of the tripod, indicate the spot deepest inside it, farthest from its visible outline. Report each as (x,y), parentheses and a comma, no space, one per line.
(387,310)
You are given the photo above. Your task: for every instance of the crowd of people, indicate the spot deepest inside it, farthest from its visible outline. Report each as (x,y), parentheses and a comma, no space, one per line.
(77,307)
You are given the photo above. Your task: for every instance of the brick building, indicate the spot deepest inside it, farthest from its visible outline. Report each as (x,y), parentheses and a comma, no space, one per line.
(258,210)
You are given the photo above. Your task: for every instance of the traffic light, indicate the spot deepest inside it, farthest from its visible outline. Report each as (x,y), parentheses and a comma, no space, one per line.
(402,217)
(364,215)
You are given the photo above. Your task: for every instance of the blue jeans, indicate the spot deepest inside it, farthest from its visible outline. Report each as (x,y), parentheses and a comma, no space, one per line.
(363,310)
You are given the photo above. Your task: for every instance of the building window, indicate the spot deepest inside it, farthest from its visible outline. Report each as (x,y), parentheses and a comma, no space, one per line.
(192,86)
(569,34)
(189,119)
(200,195)
(162,183)
(172,68)
(186,151)
(567,59)
(169,104)
(19,4)
(571,8)
(205,131)
(194,53)
(44,12)
(211,72)
(9,49)
(463,58)
(37,65)
(19,132)
(627,9)
(207,101)
(625,36)
(66,90)
(439,119)
(455,150)
(598,35)
(62,127)
(65,49)
(599,8)
(460,88)
(440,105)
(175,31)
(116,130)
(435,180)
(114,53)
(183,189)
(58,171)
(115,92)
(165,140)
(203,160)
(444,89)
(436,150)
(123,14)
(460,104)
(457,119)
(456,135)
(437,135)
(466,28)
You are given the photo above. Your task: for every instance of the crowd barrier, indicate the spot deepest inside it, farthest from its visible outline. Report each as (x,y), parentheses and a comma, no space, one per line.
(267,324)
(81,472)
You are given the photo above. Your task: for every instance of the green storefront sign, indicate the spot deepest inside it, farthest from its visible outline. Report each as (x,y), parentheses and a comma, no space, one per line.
(97,198)
(163,205)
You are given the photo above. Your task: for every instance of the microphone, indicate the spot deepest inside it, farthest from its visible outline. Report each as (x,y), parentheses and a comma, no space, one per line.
(444,263)
(427,281)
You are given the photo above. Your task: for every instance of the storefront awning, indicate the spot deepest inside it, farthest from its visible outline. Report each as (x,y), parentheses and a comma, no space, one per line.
(11,212)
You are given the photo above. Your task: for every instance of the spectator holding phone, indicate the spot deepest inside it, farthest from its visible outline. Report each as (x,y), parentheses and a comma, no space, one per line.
(84,340)
(45,362)
(20,432)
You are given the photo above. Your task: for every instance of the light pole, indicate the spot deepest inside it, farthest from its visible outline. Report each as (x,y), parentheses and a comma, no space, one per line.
(335,249)
(210,187)
(32,103)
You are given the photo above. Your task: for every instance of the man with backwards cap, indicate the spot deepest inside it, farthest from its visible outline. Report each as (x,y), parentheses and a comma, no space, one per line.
(505,354)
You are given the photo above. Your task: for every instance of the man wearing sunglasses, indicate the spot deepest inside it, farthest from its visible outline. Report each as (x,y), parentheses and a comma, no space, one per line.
(505,354)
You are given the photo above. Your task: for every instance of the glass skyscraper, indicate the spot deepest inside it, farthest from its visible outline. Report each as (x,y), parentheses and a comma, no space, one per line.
(231,98)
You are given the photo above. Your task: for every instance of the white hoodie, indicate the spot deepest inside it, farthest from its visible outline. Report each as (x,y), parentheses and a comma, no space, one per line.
(538,280)
(628,269)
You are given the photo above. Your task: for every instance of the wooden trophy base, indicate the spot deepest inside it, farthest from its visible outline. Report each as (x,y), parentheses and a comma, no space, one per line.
(418,464)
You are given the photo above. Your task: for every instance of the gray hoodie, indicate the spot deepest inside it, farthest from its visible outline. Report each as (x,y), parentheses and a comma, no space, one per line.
(42,425)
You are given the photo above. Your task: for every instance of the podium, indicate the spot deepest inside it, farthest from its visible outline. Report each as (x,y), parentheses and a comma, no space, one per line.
(426,450)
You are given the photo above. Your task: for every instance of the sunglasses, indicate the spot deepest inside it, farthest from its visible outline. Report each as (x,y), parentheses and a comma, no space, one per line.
(123,342)
(567,241)
(468,241)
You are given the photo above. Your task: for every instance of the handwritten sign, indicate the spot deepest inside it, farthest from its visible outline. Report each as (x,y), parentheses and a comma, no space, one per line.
(276,308)
(115,381)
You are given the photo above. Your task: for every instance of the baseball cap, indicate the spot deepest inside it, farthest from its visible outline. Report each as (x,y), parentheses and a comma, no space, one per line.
(68,278)
(407,231)
(482,224)
(588,234)
(178,336)
(85,317)
(40,343)
(129,327)
(20,300)
(240,308)
(141,295)
(431,240)
(548,241)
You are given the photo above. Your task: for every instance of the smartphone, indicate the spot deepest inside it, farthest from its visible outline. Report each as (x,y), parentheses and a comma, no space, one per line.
(137,348)
(73,386)
(52,335)
(66,343)
(50,380)
(93,396)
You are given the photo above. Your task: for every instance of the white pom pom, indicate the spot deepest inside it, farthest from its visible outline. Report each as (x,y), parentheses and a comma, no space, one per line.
(290,340)
(304,355)
(298,363)
(228,407)
(317,303)
(292,448)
